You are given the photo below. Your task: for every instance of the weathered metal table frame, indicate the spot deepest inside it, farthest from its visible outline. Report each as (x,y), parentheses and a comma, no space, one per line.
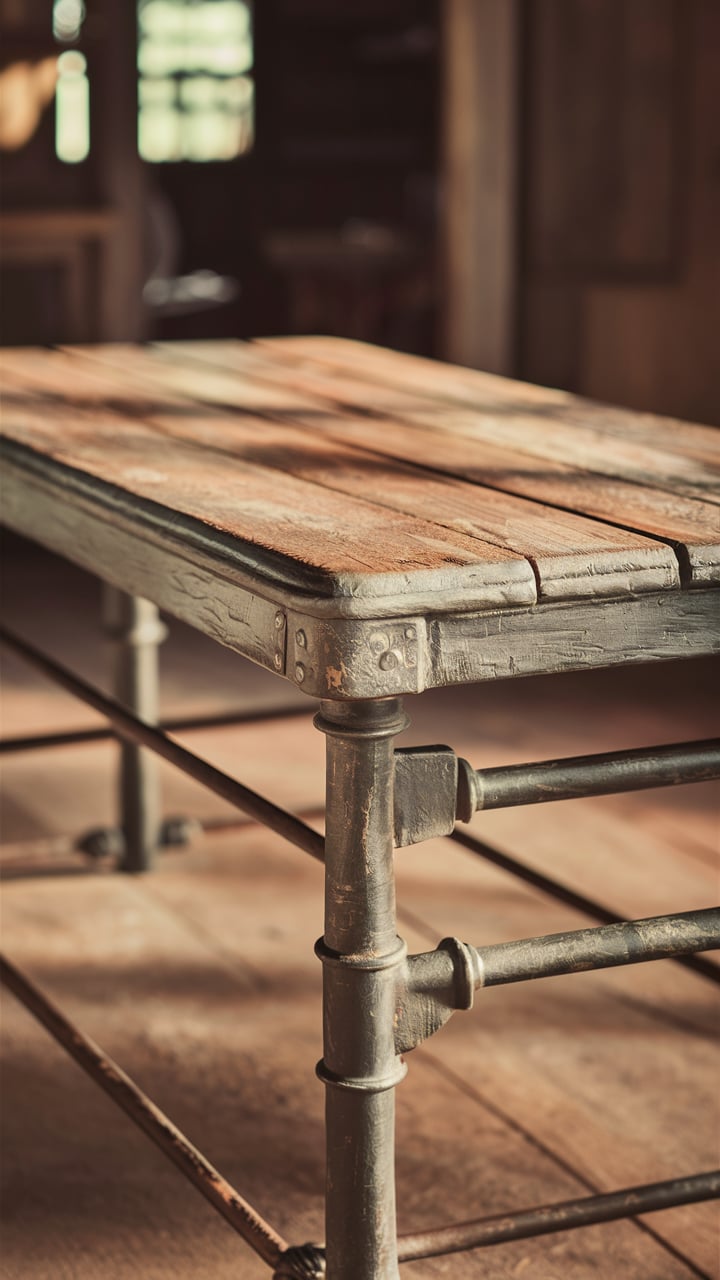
(359,657)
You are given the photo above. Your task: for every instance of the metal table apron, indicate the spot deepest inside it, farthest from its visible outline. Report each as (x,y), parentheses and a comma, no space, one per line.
(358,652)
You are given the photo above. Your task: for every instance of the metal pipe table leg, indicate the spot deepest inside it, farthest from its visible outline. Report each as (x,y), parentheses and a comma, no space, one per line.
(361,954)
(134,626)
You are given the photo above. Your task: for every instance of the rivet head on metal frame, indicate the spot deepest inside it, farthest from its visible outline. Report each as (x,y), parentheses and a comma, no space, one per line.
(390,660)
(301,640)
(379,642)
(299,672)
(277,661)
(410,633)
(279,621)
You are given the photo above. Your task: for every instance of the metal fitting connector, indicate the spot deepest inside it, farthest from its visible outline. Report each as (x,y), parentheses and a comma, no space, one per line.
(301,1262)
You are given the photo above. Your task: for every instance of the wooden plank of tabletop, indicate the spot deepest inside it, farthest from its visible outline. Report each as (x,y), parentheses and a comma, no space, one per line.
(487,392)
(321,540)
(541,434)
(571,556)
(689,524)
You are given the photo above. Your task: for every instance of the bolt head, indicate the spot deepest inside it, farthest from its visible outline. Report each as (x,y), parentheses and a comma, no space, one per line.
(279,621)
(299,673)
(389,661)
(301,640)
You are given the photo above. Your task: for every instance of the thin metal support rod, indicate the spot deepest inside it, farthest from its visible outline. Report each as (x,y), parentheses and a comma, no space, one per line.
(187,724)
(135,630)
(564,1216)
(147,1116)
(362,959)
(562,893)
(128,726)
(45,850)
(581,776)
(608,946)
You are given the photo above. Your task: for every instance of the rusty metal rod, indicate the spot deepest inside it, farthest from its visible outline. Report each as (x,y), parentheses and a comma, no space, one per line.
(581,776)
(631,942)
(187,724)
(134,730)
(147,1116)
(564,1216)
(571,897)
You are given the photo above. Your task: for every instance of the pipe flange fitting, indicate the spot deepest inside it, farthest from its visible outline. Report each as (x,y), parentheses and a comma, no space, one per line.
(464,971)
(469,791)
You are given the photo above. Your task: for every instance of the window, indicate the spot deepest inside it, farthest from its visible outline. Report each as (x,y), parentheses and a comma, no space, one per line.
(195,91)
(72,90)
(72,108)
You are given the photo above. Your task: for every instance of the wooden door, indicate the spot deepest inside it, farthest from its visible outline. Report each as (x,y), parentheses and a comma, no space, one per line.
(582,196)
(620,270)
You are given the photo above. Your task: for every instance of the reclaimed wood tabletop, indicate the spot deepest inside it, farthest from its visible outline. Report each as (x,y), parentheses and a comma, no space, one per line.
(253,486)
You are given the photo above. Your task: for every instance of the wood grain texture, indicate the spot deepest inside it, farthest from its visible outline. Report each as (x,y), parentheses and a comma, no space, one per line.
(601,130)
(475,389)
(478,212)
(651,628)
(179,1033)
(352,545)
(619,297)
(690,525)
(683,458)
(341,488)
(570,556)
(190,583)
(576,1083)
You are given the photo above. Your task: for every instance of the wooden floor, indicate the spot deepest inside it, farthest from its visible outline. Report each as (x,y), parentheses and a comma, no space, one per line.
(201,981)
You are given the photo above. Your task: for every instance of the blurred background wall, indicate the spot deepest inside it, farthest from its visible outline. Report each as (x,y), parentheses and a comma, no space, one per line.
(527,186)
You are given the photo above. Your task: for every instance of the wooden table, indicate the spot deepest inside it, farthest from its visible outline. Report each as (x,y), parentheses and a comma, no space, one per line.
(368,525)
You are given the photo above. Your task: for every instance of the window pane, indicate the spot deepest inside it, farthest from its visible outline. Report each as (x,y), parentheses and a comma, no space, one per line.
(202,48)
(72,108)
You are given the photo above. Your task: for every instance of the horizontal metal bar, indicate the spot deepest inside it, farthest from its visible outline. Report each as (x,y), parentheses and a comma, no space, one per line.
(564,1216)
(580,776)
(631,942)
(76,737)
(134,730)
(44,851)
(147,1116)
(563,893)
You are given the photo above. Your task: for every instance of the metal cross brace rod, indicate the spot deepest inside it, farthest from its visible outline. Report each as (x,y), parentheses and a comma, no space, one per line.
(131,728)
(125,1093)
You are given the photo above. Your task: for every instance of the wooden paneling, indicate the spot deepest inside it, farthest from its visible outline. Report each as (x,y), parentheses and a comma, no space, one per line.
(478,232)
(620,293)
(601,135)
(659,346)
